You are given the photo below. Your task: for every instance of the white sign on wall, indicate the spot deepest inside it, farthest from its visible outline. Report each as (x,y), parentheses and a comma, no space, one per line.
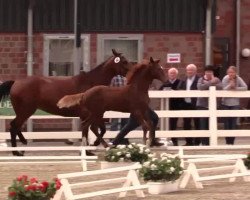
(173,58)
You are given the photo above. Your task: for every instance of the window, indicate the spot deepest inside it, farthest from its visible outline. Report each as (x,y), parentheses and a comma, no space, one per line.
(60,55)
(129,44)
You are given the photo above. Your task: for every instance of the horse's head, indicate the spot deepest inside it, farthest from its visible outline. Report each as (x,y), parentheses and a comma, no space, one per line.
(156,70)
(119,63)
(147,70)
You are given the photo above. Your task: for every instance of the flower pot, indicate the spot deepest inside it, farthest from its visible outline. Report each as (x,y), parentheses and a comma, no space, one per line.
(163,187)
(106,164)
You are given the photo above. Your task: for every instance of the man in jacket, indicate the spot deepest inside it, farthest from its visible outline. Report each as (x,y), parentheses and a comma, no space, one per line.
(190,83)
(173,83)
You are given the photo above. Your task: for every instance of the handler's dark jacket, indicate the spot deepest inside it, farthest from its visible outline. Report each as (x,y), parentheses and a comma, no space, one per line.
(174,103)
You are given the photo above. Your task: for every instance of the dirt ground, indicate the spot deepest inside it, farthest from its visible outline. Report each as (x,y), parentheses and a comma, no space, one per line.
(213,190)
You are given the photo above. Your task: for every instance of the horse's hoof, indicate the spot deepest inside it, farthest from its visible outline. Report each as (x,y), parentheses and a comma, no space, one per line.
(24,141)
(18,153)
(156,144)
(90,153)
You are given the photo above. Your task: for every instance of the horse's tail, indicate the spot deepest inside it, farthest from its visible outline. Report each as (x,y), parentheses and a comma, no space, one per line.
(5,89)
(70,100)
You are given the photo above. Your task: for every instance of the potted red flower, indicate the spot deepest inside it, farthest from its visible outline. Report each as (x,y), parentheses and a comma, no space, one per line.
(23,188)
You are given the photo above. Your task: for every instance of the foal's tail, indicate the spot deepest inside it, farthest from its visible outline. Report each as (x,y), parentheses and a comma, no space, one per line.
(5,88)
(70,100)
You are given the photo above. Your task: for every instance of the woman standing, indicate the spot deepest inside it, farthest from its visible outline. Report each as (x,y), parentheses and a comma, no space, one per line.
(232,82)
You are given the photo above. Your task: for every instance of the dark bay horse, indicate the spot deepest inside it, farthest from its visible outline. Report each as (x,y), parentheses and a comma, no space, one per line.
(132,98)
(38,92)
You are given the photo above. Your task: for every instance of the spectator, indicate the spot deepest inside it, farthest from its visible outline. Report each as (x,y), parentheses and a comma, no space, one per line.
(232,82)
(173,83)
(190,83)
(202,103)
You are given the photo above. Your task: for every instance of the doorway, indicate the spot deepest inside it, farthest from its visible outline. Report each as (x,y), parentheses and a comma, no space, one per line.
(221,56)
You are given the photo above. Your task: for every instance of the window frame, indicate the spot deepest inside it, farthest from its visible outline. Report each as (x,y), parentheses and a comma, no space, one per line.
(85,38)
(102,37)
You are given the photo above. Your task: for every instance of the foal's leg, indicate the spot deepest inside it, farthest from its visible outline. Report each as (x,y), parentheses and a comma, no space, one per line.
(86,122)
(98,121)
(103,131)
(94,122)
(144,135)
(151,120)
(145,126)
(85,129)
(150,127)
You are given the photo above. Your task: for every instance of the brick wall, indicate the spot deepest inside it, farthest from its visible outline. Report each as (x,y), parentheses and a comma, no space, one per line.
(158,45)
(190,46)
(38,54)
(13,51)
(245,39)
(93,50)
(13,46)
(12,56)
(225,25)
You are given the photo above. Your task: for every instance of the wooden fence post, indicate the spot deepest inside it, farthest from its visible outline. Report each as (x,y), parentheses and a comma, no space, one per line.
(212,99)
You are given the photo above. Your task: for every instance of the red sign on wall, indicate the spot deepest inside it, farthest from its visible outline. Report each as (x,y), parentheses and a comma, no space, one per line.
(173,58)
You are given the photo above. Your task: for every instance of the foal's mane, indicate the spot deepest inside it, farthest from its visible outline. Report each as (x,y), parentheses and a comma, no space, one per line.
(88,76)
(101,65)
(137,67)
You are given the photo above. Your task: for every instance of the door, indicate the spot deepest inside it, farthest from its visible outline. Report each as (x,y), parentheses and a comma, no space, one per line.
(221,56)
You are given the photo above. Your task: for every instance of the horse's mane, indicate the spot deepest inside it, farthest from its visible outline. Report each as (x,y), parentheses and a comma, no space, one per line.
(100,65)
(105,61)
(131,73)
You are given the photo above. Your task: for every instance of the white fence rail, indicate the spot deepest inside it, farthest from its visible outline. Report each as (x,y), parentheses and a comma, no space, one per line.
(212,113)
(129,182)
(83,159)
(236,165)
